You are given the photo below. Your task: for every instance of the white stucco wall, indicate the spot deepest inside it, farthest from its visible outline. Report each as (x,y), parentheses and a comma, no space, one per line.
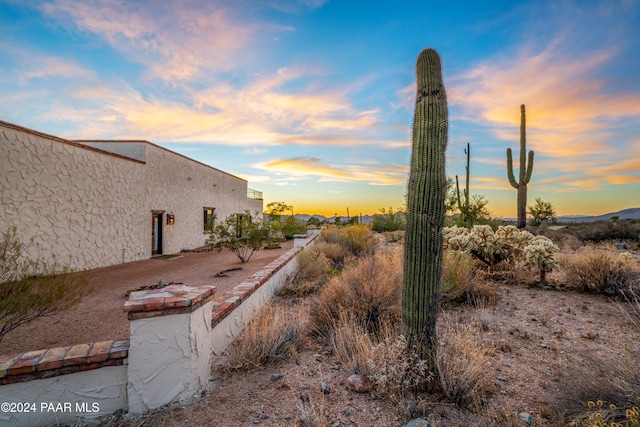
(169,358)
(83,206)
(54,400)
(184,187)
(91,208)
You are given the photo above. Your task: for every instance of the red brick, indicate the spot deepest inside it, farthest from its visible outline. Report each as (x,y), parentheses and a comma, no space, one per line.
(5,363)
(99,352)
(153,304)
(52,359)
(119,349)
(76,355)
(177,301)
(27,362)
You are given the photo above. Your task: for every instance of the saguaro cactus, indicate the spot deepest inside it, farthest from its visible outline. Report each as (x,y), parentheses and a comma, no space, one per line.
(464,207)
(525,171)
(425,206)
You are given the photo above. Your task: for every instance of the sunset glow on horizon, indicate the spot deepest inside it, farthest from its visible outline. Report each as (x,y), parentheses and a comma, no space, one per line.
(311,101)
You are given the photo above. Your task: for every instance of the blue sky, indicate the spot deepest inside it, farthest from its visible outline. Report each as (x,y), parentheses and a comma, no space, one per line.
(311,101)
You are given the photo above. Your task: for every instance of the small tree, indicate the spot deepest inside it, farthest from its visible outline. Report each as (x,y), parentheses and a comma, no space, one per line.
(389,220)
(240,234)
(30,289)
(541,212)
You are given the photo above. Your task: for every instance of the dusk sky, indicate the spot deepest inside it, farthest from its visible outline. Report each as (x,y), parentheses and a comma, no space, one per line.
(311,101)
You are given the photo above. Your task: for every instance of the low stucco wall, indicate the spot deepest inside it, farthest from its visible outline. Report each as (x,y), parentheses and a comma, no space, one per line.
(65,399)
(168,358)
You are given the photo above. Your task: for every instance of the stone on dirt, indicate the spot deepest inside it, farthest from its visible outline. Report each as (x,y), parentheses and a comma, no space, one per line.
(359,383)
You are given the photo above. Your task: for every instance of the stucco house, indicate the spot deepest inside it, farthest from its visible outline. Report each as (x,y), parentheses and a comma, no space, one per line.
(99,203)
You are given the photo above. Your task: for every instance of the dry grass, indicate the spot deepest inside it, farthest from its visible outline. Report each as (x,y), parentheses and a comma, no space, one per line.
(274,334)
(462,284)
(311,275)
(462,358)
(598,270)
(351,343)
(357,239)
(370,290)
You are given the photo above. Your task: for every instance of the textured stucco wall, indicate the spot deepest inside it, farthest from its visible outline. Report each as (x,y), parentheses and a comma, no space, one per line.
(85,207)
(104,389)
(181,186)
(92,209)
(169,358)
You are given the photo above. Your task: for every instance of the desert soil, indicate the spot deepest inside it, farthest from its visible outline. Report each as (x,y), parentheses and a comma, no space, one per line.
(100,317)
(552,351)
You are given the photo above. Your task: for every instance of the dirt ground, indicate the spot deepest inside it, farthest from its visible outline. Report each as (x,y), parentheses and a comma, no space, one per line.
(552,352)
(100,316)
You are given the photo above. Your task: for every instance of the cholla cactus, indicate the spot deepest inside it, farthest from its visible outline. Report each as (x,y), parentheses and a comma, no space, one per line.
(507,243)
(539,253)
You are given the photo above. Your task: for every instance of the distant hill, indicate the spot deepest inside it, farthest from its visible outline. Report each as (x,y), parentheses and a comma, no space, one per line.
(632,213)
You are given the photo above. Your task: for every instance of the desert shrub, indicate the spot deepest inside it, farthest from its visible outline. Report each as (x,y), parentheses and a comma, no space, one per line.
(389,220)
(33,288)
(273,334)
(632,304)
(461,284)
(396,369)
(357,239)
(334,252)
(310,276)
(351,343)
(601,231)
(370,289)
(598,271)
(461,365)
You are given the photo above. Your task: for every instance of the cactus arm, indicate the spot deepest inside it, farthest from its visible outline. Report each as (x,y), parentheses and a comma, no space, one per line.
(512,179)
(458,193)
(529,168)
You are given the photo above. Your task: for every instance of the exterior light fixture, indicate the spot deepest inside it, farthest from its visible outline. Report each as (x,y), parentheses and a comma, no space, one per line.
(171,219)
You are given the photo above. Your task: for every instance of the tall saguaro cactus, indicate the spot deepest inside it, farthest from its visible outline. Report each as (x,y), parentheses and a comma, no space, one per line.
(525,171)
(425,206)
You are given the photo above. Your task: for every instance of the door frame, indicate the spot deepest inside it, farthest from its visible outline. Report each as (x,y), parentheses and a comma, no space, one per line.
(157,228)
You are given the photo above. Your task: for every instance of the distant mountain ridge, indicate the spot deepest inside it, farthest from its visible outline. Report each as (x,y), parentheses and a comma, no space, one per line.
(631,213)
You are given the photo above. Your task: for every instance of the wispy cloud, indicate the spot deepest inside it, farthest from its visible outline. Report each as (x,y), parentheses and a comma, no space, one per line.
(176,40)
(314,167)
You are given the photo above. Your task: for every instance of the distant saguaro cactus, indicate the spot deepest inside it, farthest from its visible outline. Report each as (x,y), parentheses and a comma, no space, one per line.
(464,207)
(425,207)
(525,171)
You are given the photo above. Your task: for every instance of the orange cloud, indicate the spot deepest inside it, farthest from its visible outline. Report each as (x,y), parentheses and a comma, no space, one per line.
(568,111)
(373,174)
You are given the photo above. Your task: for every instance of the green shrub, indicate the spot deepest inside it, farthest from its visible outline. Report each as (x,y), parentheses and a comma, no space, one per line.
(389,220)
(33,288)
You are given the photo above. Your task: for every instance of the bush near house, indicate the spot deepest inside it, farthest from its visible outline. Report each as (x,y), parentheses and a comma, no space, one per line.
(30,289)
(239,233)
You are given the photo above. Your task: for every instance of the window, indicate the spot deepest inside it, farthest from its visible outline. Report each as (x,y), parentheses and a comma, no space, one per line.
(209,215)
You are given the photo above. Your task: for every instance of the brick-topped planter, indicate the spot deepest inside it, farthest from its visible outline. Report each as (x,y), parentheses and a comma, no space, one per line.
(51,362)
(176,333)
(224,304)
(173,299)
